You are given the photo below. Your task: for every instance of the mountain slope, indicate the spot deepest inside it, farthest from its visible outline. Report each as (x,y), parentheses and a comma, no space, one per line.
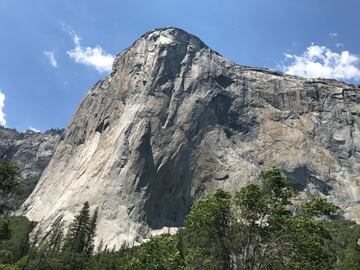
(175,121)
(30,151)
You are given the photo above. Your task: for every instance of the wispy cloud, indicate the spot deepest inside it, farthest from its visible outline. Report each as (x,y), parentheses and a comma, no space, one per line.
(339,44)
(34,129)
(51,57)
(2,105)
(333,35)
(94,57)
(320,61)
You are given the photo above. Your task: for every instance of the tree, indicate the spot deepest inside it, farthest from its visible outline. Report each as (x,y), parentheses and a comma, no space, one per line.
(158,253)
(319,207)
(207,232)
(77,238)
(270,236)
(6,256)
(352,256)
(55,250)
(256,229)
(16,243)
(345,244)
(9,174)
(252,229)
(79,241)
(89,242)
(5,231)
(9,183)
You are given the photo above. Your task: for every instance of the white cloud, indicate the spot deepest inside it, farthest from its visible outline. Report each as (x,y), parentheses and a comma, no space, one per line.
(333,35)
(319,61)
(34,129)
(95,57)
(339,44)
(2,114)
(51,57)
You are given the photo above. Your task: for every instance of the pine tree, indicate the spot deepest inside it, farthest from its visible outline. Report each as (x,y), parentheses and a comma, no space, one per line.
(56,236)
(100,247)
(89,246)
(9,183)
(9,174)
(76,238)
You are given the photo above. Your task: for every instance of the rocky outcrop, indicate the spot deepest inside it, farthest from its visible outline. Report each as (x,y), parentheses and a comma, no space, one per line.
(30,151)
(175,121)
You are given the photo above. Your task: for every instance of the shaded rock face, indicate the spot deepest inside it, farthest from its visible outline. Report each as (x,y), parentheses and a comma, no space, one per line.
(175,121)
(30,151)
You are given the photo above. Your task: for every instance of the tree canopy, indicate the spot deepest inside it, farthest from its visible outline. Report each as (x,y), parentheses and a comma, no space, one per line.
(255,228)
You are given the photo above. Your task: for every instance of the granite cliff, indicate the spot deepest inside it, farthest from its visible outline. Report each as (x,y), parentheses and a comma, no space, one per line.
(31,152)
(175,120)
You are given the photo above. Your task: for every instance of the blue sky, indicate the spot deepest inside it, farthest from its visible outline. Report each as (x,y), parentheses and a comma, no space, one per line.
(52,52)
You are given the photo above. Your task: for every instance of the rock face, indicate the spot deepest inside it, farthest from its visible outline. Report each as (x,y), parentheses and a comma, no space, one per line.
(175,121)
(31,151)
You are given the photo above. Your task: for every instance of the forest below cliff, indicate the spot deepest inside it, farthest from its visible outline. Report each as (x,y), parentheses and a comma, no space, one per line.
(257,227)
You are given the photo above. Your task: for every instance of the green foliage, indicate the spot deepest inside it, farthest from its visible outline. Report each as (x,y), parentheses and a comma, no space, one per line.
(345,244)
(90,235)
(257,228)
(208,227)
(352,256)
(8,176)
(5,231)
(8,267)
(9,183)
(319,207)
(56,251)
(106,261)
(158,253)
(77,237)
(6,256)
(13,190)
(277,187)
(18,243)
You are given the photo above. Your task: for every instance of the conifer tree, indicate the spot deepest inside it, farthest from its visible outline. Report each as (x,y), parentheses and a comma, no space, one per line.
(89,246)
(9,174)
(9,183)
(76,237)
(56,236)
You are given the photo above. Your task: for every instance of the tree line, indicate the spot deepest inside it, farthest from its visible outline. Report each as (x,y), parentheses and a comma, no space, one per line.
(256,228)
